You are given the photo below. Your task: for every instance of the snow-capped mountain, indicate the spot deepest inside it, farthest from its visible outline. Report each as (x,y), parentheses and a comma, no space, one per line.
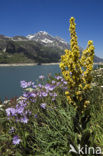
(41,37)
(41,47)
(48,40)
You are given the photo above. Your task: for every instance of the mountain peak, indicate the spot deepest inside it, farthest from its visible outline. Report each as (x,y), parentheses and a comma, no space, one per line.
(38,34)
(48,40)
(43,32)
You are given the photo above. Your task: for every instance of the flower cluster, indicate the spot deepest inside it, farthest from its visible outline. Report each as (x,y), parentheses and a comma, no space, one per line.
(77,69)
(42,94)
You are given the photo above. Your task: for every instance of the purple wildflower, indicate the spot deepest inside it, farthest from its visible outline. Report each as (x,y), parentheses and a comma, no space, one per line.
(33,95)
(25,84)
(24,119)
(39,85)
(65,82)
(43,105)
(53,82)
(41,77)
(20,109)
(16,140)
(62,80)
(35,116)
(34,86)
(58,77)
(44,94)
(11,111)
(25,94)
(53,99)
(55,94)
(49,87)
(28,112)
(33,100)
(58,83)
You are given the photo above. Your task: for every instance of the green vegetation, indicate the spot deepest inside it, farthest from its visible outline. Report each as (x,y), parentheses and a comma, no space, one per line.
(27,52)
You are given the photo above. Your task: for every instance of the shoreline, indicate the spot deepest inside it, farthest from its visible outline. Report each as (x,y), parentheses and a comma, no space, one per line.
(34,64)
(26,64)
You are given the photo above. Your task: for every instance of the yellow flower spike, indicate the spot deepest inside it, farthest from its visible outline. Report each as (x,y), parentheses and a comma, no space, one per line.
(66,93)
(77,70)
(86,102)
(90,42)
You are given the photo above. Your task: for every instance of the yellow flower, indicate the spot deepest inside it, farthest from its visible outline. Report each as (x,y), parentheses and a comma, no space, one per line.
(76,70)
(66,93)
(90,42)
(86,103)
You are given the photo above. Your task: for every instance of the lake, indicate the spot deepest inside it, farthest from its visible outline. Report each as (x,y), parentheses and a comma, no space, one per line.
(10,78)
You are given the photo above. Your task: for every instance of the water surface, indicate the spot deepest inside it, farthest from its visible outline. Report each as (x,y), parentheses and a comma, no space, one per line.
(10,78)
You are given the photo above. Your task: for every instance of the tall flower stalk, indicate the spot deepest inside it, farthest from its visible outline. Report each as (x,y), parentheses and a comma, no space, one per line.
(77,69)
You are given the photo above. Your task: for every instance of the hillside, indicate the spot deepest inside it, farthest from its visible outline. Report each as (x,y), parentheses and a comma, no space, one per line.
(38,48)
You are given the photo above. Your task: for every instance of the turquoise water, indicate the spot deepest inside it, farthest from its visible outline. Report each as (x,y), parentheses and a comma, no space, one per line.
(10,78)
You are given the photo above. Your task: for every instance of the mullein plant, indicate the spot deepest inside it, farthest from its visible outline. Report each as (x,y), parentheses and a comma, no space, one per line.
(77,71)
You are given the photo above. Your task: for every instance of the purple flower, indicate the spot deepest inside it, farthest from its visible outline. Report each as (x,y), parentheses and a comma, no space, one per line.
(28,112)
(20,109)
(41,77)
(52,88)
(44,94)
(53,98)
(35,116)
(33,100)
(16,140)
(33,95)
(49,87)
(24,119)
(25,84)
(21,103)
(39,94)
(65,82)
(25,94)
(53,82)
(58,77)
(55,94)
(11,111)
(58,83)
(62,79)
(39,85)
(43,105)
(34,86)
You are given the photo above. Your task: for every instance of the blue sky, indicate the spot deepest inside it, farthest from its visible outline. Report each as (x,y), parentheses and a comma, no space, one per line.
(23,17)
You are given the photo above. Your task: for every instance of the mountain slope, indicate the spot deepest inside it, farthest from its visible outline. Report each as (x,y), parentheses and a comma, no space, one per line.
(39,48)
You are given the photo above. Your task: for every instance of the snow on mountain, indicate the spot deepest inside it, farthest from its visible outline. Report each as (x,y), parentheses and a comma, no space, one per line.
(48,40)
